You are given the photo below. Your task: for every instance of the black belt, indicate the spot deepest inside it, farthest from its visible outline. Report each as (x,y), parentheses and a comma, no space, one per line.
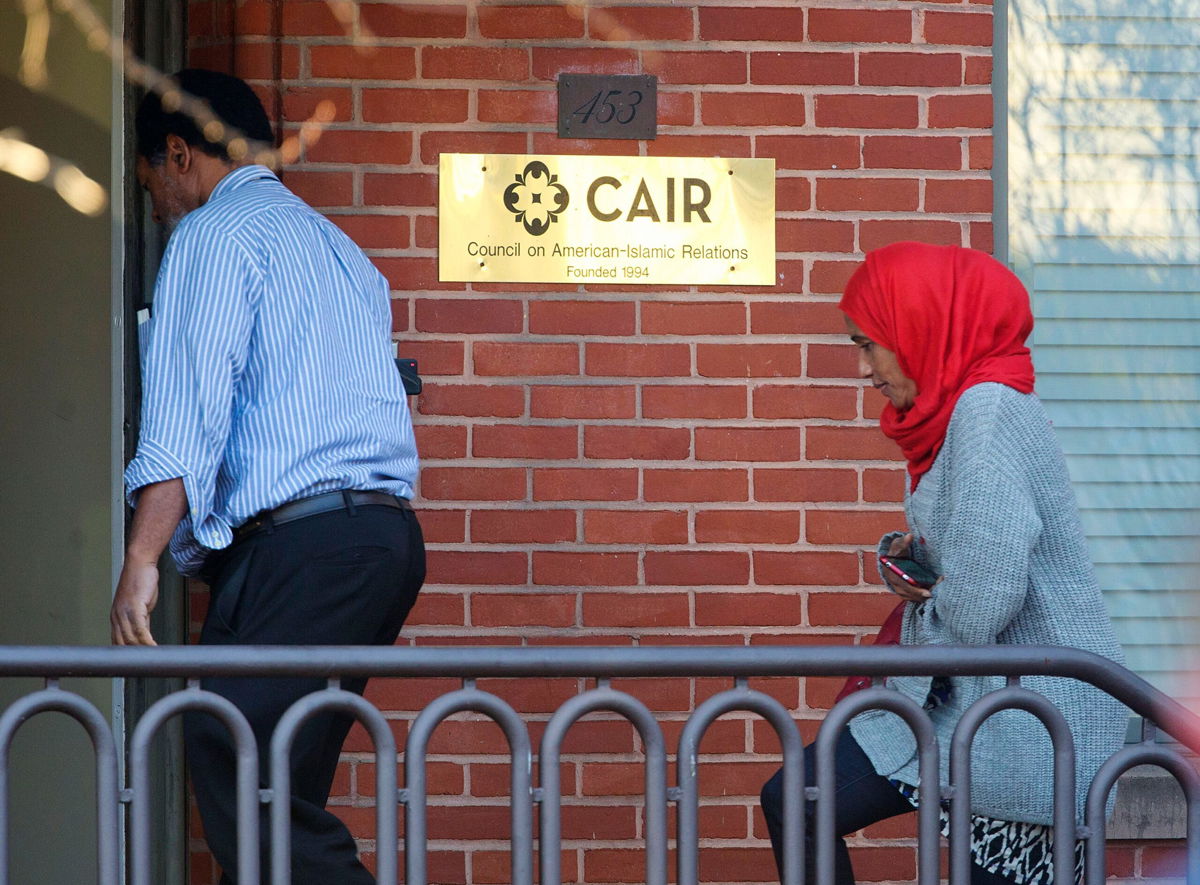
(327,502)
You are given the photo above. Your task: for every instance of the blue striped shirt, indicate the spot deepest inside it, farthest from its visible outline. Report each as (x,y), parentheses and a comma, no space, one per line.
(268,375)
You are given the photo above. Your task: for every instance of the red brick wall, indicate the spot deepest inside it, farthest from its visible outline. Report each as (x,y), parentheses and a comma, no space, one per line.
(608,465)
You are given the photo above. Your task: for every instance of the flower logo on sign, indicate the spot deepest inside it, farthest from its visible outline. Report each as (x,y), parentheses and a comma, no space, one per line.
(536,198)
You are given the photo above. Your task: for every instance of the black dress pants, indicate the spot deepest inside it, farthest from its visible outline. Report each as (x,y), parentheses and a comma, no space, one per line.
(863,798)
(335,578)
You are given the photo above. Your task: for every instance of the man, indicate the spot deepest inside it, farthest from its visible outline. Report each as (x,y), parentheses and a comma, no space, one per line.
(276,453)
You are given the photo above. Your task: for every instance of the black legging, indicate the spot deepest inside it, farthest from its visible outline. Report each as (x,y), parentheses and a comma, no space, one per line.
(863,798)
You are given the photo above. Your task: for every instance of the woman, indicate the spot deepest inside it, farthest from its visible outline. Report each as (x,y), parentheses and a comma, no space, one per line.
(990,510)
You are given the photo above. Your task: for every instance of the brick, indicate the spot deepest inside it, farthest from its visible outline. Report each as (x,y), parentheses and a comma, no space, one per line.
(256,61)
(1163,861)
(522,526)
(473,63)
(641,443)
(549,62)
(847,608)
(436,441)
(550,143)
(469,315)
(635,527)
(868,194)
(444,526)
(584,484)
(360,146)
(805,484)
(805,401)
(363,62)
(638,360)
(866,111)
(676,109)
(414,105)
(434,144)
(747,608)
(582,317)
(695,485)
(473,483)
(518,106)
(579,569)
(407,274)
(694,401)
(475,567)
(638,23)
(792,193)
(796,317)
(981,236)
(960,111)
(520,359)
(695,567)
(831,276)
(748,444)
(912,152)
(495,867)
(979,152)
(811,151)
(752,109)
(860,26)
(832,361)
(874,234)
(301,103)
(575,401)
(699,146)
(978,70)
(523,609)
(747,360)
(399,189)
(747,526)
(312,18)
(322,189)
(530,22)
(849,444)
(427,236)
(802,68)
(958,28)
(707,68)
(959,195)
(910,69)
(536,443)
(375,231)
(414,19)
(806,568)
(751,23)
(850,526)
(434,358)
(813,235)
(693,318)
(884,485)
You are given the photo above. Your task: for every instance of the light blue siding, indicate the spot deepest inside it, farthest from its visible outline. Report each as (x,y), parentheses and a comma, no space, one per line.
(1103,171)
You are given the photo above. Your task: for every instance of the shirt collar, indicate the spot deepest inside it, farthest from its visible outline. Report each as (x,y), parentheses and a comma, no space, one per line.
(239,176)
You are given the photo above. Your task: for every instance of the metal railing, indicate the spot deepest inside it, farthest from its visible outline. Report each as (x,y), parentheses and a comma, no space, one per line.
(603,664)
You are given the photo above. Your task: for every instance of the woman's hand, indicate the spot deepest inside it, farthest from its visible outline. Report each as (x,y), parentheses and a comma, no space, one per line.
(902,546)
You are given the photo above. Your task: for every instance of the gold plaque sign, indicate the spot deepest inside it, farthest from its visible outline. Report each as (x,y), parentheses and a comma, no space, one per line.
(508,218)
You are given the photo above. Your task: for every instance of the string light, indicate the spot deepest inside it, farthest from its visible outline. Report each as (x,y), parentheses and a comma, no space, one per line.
(29,162)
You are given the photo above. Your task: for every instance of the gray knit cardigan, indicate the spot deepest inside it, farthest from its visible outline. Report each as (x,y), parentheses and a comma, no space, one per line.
(996,517)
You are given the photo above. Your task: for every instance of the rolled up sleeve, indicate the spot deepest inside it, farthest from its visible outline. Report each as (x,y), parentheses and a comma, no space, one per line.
(203,318)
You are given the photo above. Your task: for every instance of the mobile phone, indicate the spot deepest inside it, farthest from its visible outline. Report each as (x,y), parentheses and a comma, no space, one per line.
(910,571)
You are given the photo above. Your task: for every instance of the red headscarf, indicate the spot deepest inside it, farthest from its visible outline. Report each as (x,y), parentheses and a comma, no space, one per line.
(954,318)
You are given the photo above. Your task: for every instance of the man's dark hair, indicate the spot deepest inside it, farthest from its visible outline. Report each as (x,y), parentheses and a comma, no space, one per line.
(229,99)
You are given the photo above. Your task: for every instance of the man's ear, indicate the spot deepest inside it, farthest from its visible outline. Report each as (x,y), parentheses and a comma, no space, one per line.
(180,155)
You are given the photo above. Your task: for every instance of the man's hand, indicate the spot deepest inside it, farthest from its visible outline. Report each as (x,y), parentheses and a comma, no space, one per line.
(136,596)
(160,506)
(901,547)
